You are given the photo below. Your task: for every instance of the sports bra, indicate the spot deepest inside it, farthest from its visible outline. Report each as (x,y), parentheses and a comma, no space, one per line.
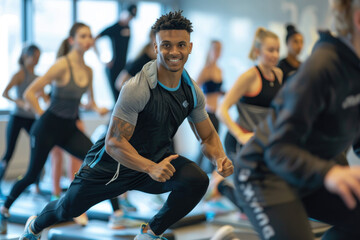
(266,94)
(211,87)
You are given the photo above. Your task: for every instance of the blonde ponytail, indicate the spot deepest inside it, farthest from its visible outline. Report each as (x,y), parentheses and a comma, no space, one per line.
(260,35)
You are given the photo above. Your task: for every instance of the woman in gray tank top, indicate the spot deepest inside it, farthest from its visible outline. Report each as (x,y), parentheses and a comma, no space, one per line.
(70,78)
(21,117)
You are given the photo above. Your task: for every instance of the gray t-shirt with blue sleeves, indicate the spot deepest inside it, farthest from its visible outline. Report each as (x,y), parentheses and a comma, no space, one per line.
(135,94)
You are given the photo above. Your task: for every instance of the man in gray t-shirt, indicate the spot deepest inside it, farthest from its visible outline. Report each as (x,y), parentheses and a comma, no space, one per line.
(136,154)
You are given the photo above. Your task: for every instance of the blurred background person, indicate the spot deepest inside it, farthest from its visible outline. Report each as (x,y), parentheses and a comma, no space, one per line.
(119,34)
(131,68)
(22,117)
(294,44)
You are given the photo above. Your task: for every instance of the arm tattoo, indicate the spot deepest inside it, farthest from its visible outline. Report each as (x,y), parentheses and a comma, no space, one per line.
(120,128)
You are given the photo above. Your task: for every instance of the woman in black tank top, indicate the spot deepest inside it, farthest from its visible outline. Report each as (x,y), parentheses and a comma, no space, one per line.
(294,43)
(252,93)
(256,87)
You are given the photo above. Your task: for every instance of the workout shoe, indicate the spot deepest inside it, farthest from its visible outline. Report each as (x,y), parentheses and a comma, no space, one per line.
(117,221)
(3,223)
(127,205)
(82,220)
(54,197)
(28,234)
(147,236)
(225,233)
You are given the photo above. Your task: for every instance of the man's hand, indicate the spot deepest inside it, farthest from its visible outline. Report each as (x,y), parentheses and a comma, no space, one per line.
(224,166)
(344,181)
(164,170)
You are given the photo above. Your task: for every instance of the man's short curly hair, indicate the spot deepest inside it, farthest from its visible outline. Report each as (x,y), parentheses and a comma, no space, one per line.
(172,21)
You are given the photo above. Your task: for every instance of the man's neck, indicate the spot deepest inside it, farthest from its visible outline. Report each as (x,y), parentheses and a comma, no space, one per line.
(169,79)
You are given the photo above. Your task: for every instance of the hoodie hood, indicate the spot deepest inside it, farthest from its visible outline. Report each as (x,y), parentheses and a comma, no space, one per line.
(338,45)
(150,72)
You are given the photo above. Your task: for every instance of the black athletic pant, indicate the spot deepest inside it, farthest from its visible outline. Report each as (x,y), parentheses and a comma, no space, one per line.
(187,187)
(48,131)
(227,189)
(208,167)
(290,220)
(15,124)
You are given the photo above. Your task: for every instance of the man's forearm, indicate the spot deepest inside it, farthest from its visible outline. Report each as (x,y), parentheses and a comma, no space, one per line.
(212,147)
(126,155)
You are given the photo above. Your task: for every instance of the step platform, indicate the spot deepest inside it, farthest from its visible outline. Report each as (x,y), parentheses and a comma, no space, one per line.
(102,212)
(96,230)
(27,205)
(13,232)
(233,219)
(200,213)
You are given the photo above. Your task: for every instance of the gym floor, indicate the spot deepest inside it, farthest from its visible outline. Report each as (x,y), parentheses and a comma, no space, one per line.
(30,202)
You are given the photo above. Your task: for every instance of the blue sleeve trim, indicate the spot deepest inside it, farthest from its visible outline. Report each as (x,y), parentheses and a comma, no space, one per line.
(188,81)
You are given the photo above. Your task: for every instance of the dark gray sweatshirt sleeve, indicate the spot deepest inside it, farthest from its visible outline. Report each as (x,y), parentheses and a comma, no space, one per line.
(292,115)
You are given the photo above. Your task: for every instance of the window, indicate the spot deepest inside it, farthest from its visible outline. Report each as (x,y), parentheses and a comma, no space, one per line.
(50,29)
(99,15)
(10,43)
(147,13)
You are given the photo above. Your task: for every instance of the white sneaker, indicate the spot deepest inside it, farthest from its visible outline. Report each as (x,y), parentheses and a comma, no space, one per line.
(225,233)
(82,220)
(116,221)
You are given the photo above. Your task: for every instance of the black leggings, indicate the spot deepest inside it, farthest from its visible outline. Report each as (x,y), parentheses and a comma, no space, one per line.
(208,167)
(187,187)
(49,130)
(290,220)
(15,124)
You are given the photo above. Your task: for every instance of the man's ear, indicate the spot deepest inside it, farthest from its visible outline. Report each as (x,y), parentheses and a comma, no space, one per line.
(155,47)
(356,20)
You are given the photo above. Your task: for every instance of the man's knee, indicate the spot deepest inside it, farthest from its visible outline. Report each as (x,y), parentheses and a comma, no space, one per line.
(202,179)
(195,177)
